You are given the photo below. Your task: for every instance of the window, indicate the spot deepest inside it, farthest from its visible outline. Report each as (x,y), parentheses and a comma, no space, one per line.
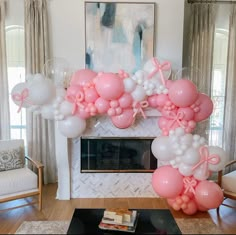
(218,87)
(16,74)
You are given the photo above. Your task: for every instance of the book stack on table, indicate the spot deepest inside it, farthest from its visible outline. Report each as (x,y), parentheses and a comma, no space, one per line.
(119,219)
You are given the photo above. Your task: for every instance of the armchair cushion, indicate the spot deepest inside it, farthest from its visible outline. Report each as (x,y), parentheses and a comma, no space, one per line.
(228,182)
(17,180)
(11,159)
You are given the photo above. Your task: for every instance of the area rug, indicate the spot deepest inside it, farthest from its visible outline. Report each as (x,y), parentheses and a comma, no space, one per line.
(187,226)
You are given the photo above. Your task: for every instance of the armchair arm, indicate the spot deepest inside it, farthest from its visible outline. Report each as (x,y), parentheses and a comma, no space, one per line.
(34,162)
(220,173)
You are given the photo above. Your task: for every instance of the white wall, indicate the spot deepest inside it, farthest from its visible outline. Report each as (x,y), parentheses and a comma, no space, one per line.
(68,41)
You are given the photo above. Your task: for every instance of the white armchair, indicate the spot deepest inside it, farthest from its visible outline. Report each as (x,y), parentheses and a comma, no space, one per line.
(227,181)
(17,180)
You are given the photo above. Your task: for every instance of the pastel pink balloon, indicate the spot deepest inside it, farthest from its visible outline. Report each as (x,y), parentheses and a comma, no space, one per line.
(183,93)
(126,100)
(102,105)
(191,208)
(82,77)
(162,122)
(109,86)
(82,113)
(167,181)
(90,95)
(73,90)
(205,107)
(188,113)
(161,99)
(152,101)
(124,120)
(208,194)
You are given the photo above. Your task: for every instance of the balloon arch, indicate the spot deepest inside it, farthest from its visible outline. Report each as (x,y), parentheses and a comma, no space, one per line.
(187,160)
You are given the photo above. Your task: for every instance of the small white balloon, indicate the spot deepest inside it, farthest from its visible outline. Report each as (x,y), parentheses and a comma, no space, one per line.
(139,93)
(66,108)
(129,85)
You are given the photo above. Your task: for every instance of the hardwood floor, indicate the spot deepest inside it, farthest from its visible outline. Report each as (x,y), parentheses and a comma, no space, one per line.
(54,209)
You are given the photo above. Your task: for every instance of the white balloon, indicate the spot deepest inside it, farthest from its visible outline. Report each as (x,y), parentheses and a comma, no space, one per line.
(187,139)
(72,126)
(222,155)
(41,91)
(200,173)
(161,149)
(18,92)
(149,67)
(66,108)
(139,93)
(191,157)
(47,112)
(60,91)
(185,170)
(129,84)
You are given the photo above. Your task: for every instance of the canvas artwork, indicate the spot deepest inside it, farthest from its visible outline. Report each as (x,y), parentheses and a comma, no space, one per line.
(119,35)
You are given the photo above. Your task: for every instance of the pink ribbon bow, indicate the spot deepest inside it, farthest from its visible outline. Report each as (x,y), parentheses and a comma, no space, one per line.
(138,107)
(175,118)
(206,158)
(22,98)
(189,184)
(76,100)
(159,68)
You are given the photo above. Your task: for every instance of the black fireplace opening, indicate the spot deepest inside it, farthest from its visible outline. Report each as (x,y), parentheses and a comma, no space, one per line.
(113,154)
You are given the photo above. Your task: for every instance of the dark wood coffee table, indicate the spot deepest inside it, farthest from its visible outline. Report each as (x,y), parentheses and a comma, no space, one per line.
(150,221)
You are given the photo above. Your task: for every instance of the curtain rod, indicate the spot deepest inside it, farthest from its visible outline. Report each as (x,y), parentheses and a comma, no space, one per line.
(210,1)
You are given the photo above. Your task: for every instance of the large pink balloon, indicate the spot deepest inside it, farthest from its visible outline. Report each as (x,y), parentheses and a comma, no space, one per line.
(82,77)
(183,93)
(208,194)
(167,182)
(109,86)
(90,95)
(205,107)
(124,120)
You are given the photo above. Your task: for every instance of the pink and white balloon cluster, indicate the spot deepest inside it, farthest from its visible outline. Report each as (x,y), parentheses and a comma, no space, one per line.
(118,95)
(188,163)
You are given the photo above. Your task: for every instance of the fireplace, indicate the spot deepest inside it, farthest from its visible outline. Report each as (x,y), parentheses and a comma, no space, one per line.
(117,154)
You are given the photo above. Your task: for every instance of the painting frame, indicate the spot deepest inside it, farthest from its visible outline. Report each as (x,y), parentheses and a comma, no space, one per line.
(117,39)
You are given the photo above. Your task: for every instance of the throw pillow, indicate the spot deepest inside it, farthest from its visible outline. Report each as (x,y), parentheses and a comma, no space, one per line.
(11,159)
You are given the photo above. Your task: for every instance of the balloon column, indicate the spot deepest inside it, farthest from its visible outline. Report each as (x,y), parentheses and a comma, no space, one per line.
(122,96)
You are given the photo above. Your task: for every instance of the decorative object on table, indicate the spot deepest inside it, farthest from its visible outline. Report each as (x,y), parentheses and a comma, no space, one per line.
(119,219)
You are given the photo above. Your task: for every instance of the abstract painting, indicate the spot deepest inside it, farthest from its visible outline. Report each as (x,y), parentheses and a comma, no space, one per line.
(119,35)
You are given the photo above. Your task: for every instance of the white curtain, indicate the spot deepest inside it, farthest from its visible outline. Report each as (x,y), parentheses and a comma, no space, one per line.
(4,95)
(229,140)
(200,59)
(40,132)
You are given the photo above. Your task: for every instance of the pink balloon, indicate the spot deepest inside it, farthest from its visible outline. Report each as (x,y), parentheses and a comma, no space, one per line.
(183,93)
(205,107)
(125,100)
(152,101)
(82,113)
(161,100)
(162,122)
(73,90)
(188,113)
(82,77)
(191,208)
(167,181)
(208,194)
(102,105)
(109,86)
(124,120)
(90,95)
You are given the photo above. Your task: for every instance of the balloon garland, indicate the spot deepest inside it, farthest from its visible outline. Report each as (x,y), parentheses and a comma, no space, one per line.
(187,160)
